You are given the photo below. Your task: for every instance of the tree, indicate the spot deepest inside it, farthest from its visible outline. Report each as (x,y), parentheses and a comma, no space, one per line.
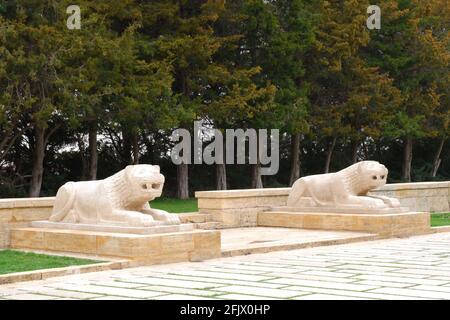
(286,67)
(185,36)
(339,39)
(408,51)
(34,43)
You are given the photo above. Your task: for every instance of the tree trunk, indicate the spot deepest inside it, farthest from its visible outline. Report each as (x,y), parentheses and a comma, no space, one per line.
(329,155)
(84,160)
(407,159)
(256,176)
(221,176)
(126,147)
(355,147)
(295,158)
(93,152)
(7,143)
(135,145)
(221,173)
(38,161)
(256,182)
(182,181)
(437,158)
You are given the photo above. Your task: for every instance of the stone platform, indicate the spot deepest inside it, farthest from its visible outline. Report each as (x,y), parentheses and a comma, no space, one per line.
(115,229)
(392,224)
(342,209)
(150,248)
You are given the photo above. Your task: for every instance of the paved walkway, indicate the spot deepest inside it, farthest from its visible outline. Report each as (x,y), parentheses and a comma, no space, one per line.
(413,268)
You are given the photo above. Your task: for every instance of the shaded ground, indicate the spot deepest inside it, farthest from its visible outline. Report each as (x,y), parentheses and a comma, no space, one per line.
(17,261)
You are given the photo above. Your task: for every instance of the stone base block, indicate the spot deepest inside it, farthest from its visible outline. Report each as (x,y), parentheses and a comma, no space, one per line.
(342,209)
(239,208)
(152,249)
(234,218)
(397,224)
(114,229)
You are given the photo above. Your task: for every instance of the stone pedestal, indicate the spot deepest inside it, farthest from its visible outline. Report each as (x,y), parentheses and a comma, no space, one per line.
(114,229)
(149,247)
(20,212)
(239,208)
(391,224)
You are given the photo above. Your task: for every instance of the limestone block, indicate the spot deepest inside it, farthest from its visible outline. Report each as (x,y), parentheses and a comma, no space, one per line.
(27,239)
(232,218)
(248,218)
(206,240)
(26,202)
(227,203)
(128,246)
(383,224)
(112,228)
(21,276)
(207,245)
(75,241)
(7,203)
(227,219)
(243,193)
(31,214)
(240,202)
(194,217)
(5,215)
(176,242)
(159,248)
(420,196)
(4,239)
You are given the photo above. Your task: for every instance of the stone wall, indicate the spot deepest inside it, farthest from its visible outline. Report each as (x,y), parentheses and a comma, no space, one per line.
(20,212)
(420,196)
(239,208)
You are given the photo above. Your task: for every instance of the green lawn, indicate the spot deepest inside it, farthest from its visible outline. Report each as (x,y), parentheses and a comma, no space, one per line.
(175,205)
(18,261)
(440,219)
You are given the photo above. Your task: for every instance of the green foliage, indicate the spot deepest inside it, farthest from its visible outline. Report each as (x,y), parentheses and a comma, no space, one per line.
(138,69)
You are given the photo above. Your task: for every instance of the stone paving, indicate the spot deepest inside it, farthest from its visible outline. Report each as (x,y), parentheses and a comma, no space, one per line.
(410,268)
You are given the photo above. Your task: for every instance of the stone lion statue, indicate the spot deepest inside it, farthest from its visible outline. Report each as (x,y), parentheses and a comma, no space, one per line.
(346,188)
(121,199)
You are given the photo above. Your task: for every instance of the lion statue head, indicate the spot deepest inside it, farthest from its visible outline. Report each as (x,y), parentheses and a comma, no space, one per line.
(371,175)
(145,182)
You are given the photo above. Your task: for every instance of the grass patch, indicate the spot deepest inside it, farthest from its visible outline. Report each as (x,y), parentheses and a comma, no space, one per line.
(18,261)
(175,205)
(440,219)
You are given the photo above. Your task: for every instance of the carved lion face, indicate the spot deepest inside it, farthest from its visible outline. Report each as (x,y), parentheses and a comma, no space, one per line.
(145,181)
(372,174)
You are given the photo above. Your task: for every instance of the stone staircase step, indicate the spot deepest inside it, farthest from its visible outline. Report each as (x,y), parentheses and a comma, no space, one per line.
(211,225)
(194,217)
